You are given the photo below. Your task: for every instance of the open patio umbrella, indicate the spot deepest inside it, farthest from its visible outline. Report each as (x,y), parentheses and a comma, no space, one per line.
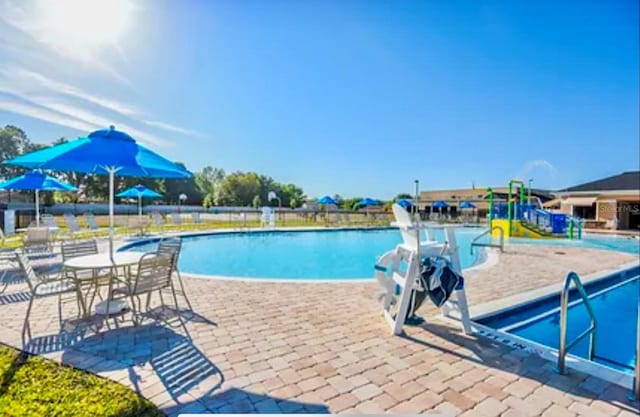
(36,180)
(467,205)
(139,191)
(366,202)
(440,205)
(103,152)
(326,200)
(406,204)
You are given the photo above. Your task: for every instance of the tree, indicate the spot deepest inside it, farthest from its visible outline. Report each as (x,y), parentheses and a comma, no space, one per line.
(239,189)
(291,193)
(173,187)
(351,203)
(403,196)
(293,203)
(13,142)
(209,181)
(257,201)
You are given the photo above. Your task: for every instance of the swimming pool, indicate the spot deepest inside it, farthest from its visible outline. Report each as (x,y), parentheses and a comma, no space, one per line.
(615,302)
(325,254)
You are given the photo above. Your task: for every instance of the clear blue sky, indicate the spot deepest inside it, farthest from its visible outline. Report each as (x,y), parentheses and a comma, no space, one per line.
(349,97)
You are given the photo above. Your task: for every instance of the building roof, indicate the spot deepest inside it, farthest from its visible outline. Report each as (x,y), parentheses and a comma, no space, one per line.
(627,181)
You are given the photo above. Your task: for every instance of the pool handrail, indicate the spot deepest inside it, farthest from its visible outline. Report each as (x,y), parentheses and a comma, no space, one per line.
(634,395)
(563,346)
(500,245)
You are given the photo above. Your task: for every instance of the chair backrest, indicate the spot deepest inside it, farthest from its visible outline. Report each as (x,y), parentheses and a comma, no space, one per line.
(38,234)
(196,217)
(154,272)
(30,275)
(175,218)
(73,249)
(92,222)
(72,222)
(48,220)
(157,219)
(169,247)
(403,220)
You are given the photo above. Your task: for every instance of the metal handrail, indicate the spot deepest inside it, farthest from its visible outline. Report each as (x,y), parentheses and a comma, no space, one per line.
(486,232)
(634,395)
(563,347)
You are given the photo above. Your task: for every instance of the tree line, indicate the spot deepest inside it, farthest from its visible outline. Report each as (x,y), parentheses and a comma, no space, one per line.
(208,187)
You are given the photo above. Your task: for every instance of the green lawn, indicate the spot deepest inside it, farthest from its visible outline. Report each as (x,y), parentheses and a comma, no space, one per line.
(33,386)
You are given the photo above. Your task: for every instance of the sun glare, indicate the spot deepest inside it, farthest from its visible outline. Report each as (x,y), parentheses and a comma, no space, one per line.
(83,24)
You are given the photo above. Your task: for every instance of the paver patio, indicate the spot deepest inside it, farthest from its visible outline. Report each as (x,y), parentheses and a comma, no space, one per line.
(324,347)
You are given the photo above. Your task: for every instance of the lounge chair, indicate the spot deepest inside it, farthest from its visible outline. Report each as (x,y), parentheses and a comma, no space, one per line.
(158,220)
(195,216)
(93,224)
(74,229)
(176,220)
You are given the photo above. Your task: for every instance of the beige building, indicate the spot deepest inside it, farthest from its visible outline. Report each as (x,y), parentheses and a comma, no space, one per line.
(609,203)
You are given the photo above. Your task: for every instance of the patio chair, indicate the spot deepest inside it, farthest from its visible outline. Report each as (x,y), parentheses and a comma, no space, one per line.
(38,240)
(173,247)
(158,220)
(88,278)
(195,217)
(153,273)
(41,286)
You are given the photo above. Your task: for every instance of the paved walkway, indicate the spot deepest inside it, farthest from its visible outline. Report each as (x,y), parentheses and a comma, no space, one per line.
(313,347)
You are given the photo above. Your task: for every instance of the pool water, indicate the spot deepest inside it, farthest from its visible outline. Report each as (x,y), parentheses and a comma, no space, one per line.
(615,304)
(626,244)
(327,254)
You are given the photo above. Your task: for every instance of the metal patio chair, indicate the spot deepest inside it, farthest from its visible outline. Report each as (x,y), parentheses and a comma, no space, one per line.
(41,286)
(153,273)
(168,247)
(86,278)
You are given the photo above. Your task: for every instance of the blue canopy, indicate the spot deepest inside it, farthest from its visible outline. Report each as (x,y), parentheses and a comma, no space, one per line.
(139,191)
(368,202)
(327,200)
(440,204)
(467,205)
(404,203)
(99,153)
(36,180)
(103,152)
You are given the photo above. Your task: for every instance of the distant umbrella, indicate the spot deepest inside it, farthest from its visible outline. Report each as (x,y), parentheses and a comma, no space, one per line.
(406,204)
(139,191)
(327,200)
(366,202)
(467,205)
(440,204)
(36,180)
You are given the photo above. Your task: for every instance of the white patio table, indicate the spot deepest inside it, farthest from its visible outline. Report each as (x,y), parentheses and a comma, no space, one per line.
(102,261)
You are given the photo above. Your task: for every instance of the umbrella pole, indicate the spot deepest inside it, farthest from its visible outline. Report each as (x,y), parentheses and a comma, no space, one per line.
(139,207)
(112,172)
(37,208)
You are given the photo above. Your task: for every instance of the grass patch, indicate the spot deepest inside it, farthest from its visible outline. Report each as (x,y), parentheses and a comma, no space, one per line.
(34,386)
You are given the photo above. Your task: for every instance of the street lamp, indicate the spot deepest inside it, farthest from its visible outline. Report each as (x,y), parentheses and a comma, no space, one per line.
(529,196)
(181,199)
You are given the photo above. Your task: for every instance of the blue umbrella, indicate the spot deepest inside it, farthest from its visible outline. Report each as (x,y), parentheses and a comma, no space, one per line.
(36,180)
(103,152)
(467,205)
(327,200)
(406,204)
(139,191)
(365,202)
(440,204)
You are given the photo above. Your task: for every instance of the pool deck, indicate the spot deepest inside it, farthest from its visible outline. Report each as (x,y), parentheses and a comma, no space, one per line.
(324,347)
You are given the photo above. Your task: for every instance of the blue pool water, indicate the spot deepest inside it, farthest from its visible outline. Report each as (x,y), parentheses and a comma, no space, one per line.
(341,254)
(615,303)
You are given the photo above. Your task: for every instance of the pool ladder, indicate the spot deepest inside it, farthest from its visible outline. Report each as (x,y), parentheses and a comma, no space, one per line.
(563,346)
(563,349)
(475,243)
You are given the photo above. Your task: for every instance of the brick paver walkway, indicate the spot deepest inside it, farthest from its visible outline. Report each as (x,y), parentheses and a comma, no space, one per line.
(319,347)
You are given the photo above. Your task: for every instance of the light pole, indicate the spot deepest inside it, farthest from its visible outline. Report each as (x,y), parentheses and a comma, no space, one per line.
(529,194)
(181,199)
